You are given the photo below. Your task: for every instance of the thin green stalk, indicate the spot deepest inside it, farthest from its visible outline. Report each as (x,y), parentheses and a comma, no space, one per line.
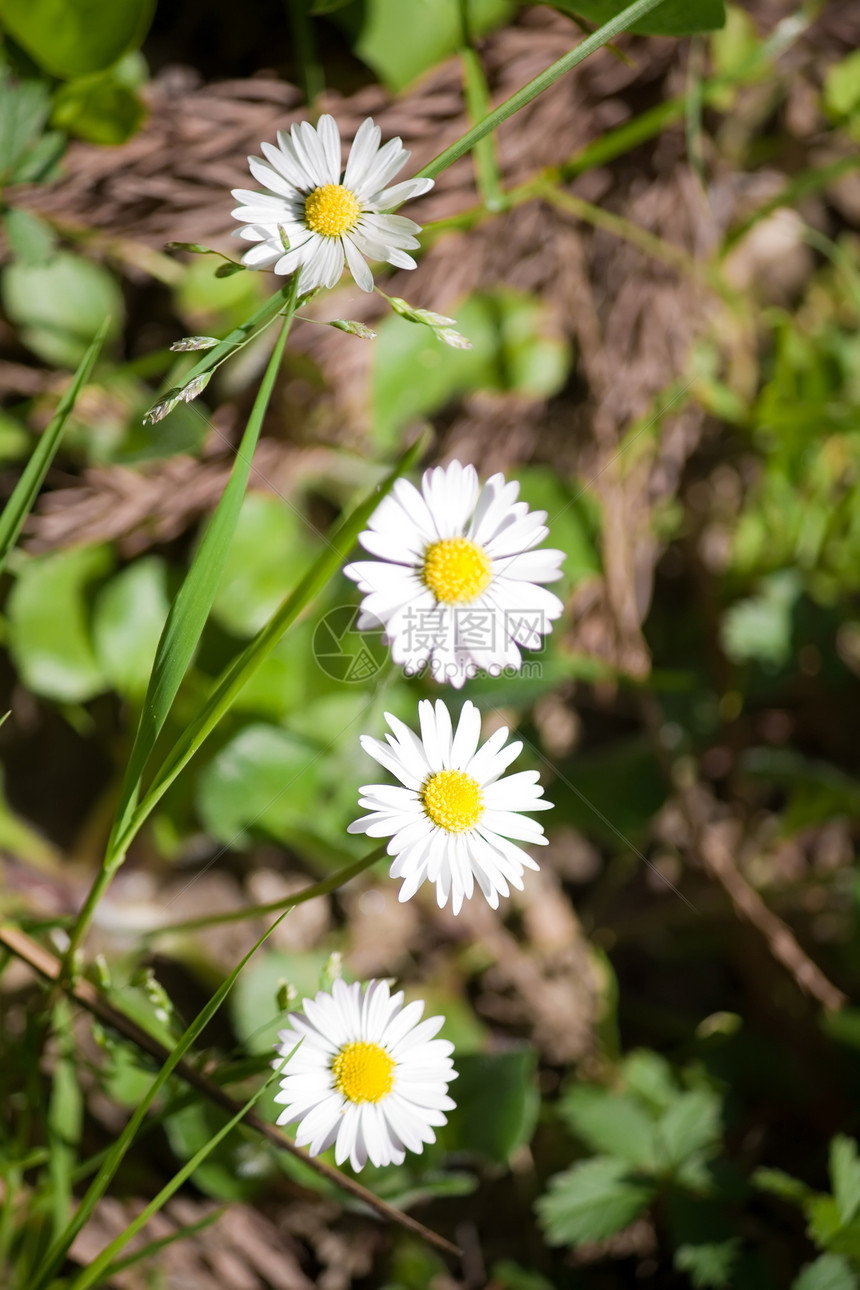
(616,143)
(652,245)
(155,1247)
(243,333)
(56,1255)
(537,86)
(477,96)
(810,181)
(27,488)
(322,888)
(102,1263)
(694,99)
(306,60)
(65,1117)
(44,963)
(240,671)
(182,631)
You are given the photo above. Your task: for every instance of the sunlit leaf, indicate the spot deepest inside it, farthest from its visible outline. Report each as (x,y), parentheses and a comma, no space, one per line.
(61,306)
(49,629)
(612,1123)
(845,1176)
(128,619)
(829,1272)
(27,488)
(496,1103)
(592,1200)
(73,37)
(673,18)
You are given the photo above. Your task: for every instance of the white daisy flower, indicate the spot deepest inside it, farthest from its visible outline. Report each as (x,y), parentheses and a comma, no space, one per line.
(314,217)
(368,1076)
(453,820)
(456,585)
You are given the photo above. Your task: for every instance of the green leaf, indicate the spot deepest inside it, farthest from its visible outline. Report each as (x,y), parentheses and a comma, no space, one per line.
(843,1026)
(845,1176)
(399,52)
(497,1103)
(223,1174)
(238,673)
(98,108)
(49,636)
(708,1264)
(604,813)
(690,1125)
(842,85)
(613,1123)
(27,488)
(567,518)
(40,164)
(189,611)
(24,109)
(829,1272)
(211,304)
(781,1184)
(254,1011)
(182,430)
(649,1076)
(262,780)
(128,618)
(31,240)
(592,1200)
(414,376)
(73,37)
(759,629)
(828,1230)
(705,1246)
(271,539)
(673,18)
(824,1221)
(100,1268)
(60,307)
(735,49)
(510,1276)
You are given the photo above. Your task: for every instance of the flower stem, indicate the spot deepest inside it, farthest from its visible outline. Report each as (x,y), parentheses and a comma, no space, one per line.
(537,86)
(477,96)
(334,880)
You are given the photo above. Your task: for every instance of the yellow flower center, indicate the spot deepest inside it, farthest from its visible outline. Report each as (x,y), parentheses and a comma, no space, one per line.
(331,210)
(363,1072)
(453,800)
(456,570)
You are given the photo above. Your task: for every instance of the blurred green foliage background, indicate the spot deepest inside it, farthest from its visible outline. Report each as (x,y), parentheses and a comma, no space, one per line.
(656,1044)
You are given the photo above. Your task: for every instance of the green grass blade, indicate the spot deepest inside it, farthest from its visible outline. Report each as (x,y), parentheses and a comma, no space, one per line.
(190,609)
(540,83)
(183,629)
(55,1256)
(65,1118)
(245,665)
(53,1260)
(240,335)
(99,1268)
(155,1247)
(27,489)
